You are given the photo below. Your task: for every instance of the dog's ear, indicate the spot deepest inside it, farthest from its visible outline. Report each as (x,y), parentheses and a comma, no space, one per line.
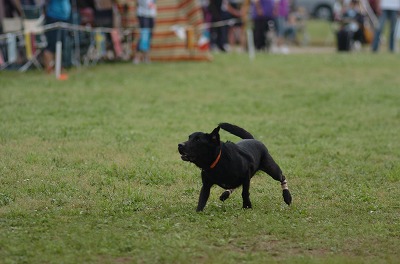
(215,135)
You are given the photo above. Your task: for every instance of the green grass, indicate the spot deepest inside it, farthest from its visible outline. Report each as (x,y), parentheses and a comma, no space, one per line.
(320,32)
(90,171)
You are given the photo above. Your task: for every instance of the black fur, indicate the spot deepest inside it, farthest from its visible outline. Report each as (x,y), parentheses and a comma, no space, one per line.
(237,163)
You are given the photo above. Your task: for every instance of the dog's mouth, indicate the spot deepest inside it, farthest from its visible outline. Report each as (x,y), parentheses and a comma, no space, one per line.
(185,156)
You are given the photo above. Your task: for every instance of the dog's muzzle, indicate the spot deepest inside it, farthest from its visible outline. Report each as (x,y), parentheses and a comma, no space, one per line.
(184,154)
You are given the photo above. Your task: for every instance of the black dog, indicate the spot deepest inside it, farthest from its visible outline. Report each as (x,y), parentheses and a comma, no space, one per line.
(230,165)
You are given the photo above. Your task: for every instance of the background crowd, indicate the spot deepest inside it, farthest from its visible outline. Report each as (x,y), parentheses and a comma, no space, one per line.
(277,23)
(267,25)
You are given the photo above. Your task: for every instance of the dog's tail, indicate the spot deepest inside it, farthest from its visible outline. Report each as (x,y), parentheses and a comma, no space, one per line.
(235,130)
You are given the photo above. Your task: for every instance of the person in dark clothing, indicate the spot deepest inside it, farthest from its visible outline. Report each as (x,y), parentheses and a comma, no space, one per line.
(262,14)
(219,33)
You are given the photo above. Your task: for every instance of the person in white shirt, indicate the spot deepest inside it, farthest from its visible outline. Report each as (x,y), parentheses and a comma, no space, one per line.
(146,11)
(387,10)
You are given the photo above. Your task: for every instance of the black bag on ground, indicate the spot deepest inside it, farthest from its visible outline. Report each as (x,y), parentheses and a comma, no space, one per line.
(343,40)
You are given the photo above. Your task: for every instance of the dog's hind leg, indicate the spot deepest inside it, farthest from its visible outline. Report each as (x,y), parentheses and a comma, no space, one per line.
(225,195)
(272,168)
(287,197)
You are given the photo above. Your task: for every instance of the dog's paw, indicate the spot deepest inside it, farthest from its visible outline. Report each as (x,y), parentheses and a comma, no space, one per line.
(247,206)
(199,209)
(225,195)
(287,197)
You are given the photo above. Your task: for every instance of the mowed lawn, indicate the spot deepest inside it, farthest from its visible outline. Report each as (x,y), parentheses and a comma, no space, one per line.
(90,173)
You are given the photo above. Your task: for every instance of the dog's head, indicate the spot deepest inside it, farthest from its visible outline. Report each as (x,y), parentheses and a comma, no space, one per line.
(201,147)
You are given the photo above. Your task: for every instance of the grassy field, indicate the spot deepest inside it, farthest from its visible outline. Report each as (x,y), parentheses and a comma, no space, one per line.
(90,173)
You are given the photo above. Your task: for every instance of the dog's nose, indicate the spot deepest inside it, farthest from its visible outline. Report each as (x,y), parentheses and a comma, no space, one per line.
(180,145)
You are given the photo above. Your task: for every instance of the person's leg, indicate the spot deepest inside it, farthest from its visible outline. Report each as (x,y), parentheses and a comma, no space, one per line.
(392,16)
(222,37)
(49,51)
(378,31)
(281,25)
(259,33)
(48,60)
(150,22)
(138,54)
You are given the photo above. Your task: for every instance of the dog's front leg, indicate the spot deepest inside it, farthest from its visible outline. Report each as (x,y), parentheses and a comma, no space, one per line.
(246,193)
(204,194)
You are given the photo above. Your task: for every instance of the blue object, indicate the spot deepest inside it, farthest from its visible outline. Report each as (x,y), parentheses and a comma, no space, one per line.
(144,42)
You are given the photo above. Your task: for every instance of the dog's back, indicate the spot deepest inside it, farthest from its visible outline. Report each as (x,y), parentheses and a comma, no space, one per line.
(235,130)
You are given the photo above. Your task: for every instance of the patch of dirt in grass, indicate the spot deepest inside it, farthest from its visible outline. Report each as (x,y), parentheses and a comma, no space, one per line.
(119,260)
(278,249)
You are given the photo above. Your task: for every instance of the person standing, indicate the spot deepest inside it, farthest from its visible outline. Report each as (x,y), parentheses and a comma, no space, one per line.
(387,10)
(56,11)
(281,15)
(261,13)
(235,28)
(146,11)
(218,33)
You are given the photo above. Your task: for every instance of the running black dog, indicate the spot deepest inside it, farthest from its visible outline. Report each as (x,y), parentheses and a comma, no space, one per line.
(230,165)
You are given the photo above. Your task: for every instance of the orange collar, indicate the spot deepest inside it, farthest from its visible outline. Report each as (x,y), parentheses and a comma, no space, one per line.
(216,160)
